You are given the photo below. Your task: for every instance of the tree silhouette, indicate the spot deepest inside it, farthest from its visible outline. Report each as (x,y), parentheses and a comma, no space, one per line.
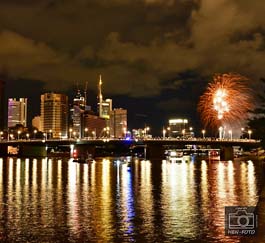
(257,123)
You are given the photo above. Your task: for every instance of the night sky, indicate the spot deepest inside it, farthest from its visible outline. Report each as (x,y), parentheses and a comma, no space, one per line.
(155,56)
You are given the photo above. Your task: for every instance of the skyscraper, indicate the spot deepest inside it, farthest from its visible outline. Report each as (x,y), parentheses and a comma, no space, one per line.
(54,114)
(77,110)
(104,106)
(100,97)
(17,112)
(118,123)
(2,104)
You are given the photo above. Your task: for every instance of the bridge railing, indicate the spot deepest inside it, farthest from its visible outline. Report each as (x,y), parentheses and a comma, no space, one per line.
(207,139)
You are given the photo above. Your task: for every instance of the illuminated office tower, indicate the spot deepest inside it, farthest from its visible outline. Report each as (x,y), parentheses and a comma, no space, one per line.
(17,112)
(54,114)
(104,106)
(100,97)
(2,104)
(177,127)
(118,123)
(77,110)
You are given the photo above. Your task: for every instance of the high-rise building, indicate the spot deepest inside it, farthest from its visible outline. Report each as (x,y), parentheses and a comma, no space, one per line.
(17,112)
(100,97)
(54,114)
(104,106)
(177,127)
(118,123)
(93,125)
(76,111)
(2,104)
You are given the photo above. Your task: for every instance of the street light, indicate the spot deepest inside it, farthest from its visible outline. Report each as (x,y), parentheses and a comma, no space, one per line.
(18,133)
(1,134)
(168,130)
(146,129)
(249,134)
(242,131)
(191,131)
(60,135)
(27,135)
(164,133)
(45,135)
(70,133)
(86,131)
(50,131)
(230,133)
(203,133)
(220,132)
(35,131)
(94,134)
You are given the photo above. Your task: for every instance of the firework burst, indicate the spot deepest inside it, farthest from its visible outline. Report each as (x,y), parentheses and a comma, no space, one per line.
(227,99)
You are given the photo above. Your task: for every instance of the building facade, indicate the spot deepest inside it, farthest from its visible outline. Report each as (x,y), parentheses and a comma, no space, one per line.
(104,106)
(118,123)
(54,114)
(2,104)
(94,126)
(17,112)
(76,113)
(177,127)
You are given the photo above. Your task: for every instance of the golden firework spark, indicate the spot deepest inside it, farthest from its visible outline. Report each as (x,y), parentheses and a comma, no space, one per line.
(227,99)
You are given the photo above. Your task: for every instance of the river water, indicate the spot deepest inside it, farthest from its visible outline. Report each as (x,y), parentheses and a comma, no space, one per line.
(53,200)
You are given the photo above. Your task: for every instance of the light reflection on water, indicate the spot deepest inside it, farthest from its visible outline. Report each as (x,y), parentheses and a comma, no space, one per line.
(48,200)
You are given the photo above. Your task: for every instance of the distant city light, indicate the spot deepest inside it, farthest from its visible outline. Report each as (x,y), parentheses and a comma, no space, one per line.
(176,121)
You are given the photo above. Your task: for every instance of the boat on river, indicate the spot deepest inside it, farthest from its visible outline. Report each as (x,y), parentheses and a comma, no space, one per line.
(214,155)
(177,156)
(83,160)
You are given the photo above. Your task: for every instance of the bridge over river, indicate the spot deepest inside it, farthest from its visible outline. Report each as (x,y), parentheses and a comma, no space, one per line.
(154,148)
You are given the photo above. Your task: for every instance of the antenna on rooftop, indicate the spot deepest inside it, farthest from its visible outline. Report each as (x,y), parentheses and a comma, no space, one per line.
(85,92)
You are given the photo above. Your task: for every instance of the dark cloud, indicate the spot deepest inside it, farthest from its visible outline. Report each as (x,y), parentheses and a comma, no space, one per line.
(135,44)
(155,56)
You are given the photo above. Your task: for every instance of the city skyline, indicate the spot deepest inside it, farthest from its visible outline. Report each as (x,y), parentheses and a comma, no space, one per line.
(157,58)
(59,117)
(132,121)
(78,99)
(73,107)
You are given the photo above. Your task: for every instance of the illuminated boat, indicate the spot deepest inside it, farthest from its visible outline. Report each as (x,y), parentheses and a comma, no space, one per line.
(177,156)
(214,155)
(83,160)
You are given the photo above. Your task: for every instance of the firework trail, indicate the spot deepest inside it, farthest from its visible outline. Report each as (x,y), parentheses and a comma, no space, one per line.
(227,99)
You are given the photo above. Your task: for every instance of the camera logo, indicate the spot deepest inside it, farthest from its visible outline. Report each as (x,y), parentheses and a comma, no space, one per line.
(240,220)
